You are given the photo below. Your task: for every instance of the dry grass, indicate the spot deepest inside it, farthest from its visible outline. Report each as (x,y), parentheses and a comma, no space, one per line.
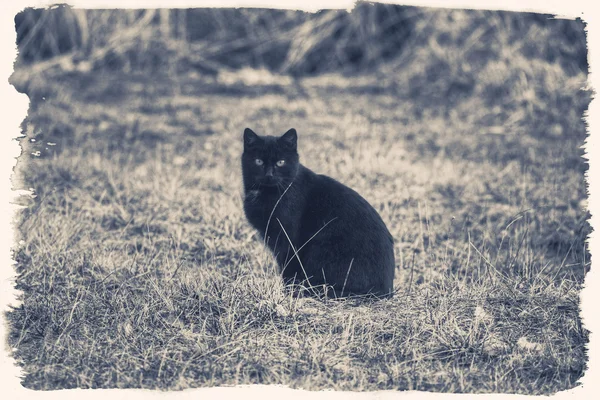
(138,268)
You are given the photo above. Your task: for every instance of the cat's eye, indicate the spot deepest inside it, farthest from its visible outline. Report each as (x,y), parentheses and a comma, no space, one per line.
(280,163)
(258,161)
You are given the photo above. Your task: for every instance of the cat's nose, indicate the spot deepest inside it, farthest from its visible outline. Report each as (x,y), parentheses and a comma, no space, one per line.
(269,172)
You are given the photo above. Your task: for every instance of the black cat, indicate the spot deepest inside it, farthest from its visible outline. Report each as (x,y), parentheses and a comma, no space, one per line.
(323,234)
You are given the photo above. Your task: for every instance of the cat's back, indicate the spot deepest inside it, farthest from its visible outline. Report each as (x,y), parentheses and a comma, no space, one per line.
(355,235)
(328,199)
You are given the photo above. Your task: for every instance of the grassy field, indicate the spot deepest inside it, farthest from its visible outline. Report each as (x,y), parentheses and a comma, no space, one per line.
(139,270)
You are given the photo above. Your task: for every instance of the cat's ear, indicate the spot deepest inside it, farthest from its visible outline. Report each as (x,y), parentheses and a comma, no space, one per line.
(250,138)
(290,138)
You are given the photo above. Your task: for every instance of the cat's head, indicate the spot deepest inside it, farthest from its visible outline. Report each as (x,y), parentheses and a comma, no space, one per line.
(269,161)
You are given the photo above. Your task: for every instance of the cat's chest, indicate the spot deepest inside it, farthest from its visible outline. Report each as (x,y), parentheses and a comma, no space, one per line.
(260,207)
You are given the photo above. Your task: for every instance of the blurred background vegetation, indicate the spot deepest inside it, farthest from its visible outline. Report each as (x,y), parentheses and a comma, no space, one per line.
(293,42)
(527,66)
